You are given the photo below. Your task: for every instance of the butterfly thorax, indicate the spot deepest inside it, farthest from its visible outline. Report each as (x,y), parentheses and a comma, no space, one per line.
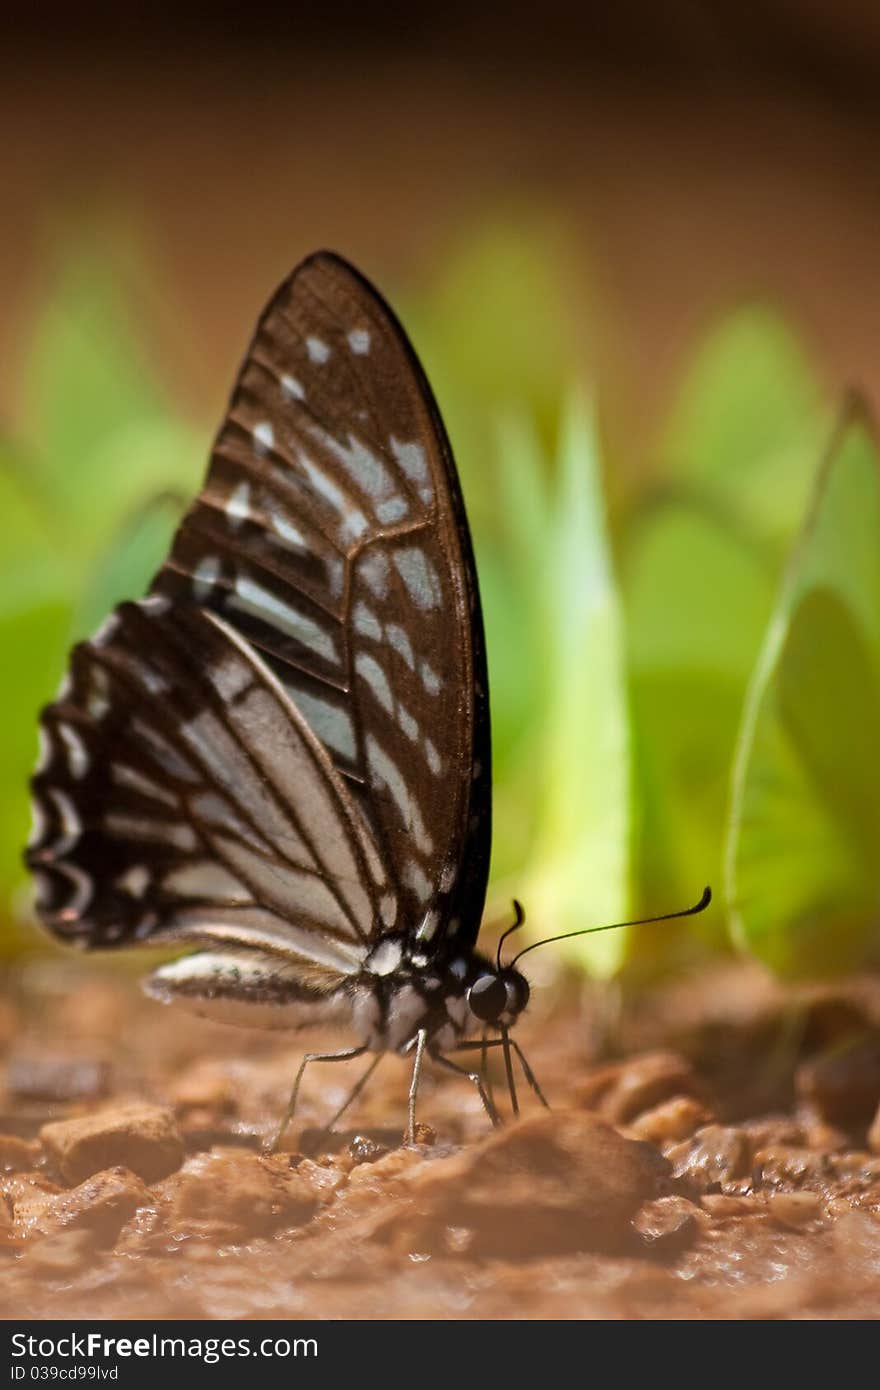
(401,991)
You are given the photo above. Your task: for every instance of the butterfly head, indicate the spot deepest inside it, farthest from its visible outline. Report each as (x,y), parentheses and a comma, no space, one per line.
(497,997)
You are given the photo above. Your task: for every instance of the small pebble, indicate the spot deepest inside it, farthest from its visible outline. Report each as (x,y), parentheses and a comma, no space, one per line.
(714,1156)
(795,1210)
(231,1194)
(99,1206)
(621,1091)
(670,1121)
(365,1150)
(669,1224)
(843,1084)
(143,1138)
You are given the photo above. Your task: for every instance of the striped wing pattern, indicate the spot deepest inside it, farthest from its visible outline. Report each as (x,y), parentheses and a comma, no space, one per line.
(331,535)
(286,745)
(180,795)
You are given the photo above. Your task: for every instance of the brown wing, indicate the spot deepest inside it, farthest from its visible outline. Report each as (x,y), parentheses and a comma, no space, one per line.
(180,795)
(331,535)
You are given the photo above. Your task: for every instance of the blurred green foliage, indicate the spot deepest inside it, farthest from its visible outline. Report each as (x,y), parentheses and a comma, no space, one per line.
(632,666)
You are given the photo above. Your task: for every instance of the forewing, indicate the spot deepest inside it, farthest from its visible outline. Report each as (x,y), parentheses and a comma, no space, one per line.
(181,794)
(331,535)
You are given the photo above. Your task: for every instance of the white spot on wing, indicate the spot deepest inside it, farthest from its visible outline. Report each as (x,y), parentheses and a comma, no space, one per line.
(77,757)
(419,576)
(394,509)
(360,463)
(385,959)
(205,576)
(292,388)
(411,458)
(331,723)
(430,679)
(231,677)
(252,598)
(160,832)
(408,724)
(375,573)
(286,532)
(435,762)
(388,909)
(388,775)
(107,631)
(415,878)
(366,622)
(71,825)
(264,437)
(134,880)
(317,349)
(359,341)
(238,504)
(45,750)
(156,604)
(370,670)
(83,887)
(98,693)
(39,824)
(401,643)
(204,880)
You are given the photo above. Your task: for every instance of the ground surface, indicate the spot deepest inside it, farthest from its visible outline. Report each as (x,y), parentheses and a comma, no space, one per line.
(709,1154)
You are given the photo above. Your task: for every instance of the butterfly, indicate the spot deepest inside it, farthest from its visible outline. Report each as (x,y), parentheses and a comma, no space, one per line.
(281,755)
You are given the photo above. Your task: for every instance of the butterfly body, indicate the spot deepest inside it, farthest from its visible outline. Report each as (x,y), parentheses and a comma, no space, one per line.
(397,994)
(280,758)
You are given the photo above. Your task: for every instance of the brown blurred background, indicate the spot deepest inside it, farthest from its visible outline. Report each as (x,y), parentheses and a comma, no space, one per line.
(698,152)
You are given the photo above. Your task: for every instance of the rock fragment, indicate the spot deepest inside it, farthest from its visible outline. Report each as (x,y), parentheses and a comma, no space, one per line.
(843,1085)
(231,1194)
(143,1138)
(555,1182)
(670,1121)
(715,1156)
(99,1207)
(621,1091)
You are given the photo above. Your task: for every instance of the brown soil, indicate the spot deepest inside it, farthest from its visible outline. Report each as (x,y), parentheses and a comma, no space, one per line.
(712,1152)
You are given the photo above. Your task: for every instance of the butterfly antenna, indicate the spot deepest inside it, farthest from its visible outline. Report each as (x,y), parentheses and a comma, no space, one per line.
(614,926)
(520,916)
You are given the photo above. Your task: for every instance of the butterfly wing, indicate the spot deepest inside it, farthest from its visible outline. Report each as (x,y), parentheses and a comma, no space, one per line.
(182,796)
(331,535)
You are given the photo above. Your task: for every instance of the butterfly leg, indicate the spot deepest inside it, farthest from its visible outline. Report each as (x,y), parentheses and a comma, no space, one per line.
(529,1074)
(343,1056)
(508,1069)
(484,1043)
(420,1040)
(484,1068)
(477,1080)
(358,1087)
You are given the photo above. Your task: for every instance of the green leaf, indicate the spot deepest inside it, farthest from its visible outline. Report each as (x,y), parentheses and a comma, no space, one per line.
(130,562)
(697,601)
(31,570)
(579,874)
(747,417)
(99,426)
(498,330)
(34,642)
(804,840)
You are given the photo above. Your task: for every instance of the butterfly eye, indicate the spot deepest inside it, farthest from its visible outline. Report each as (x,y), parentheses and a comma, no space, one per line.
(487,998)
(516,988)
